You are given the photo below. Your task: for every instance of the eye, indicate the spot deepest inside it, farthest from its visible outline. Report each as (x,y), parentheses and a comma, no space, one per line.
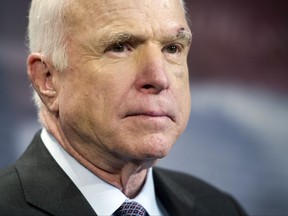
(173,48)
(119,47)
(119,50)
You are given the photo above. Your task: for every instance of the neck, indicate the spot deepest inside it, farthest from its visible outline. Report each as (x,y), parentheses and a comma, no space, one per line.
(127,175)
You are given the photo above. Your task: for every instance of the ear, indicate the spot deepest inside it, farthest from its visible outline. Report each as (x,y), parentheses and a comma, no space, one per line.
(43,77)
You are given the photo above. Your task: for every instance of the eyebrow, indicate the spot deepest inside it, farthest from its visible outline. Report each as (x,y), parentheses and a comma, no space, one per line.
(182,34)
(120,37)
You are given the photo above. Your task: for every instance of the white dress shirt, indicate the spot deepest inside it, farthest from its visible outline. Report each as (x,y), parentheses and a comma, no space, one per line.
(104,198)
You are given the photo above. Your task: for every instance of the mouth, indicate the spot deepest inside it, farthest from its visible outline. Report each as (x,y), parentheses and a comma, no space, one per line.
(151,115)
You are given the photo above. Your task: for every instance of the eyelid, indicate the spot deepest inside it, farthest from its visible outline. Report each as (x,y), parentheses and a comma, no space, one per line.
(179,46)
(110,47)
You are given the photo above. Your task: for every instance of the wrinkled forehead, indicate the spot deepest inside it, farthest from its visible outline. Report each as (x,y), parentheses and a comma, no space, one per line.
(110,4)
(80,10)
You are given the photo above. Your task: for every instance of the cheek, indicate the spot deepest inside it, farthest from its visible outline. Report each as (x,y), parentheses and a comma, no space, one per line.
(184,100)
(187,107)
(187,96)
(78,97)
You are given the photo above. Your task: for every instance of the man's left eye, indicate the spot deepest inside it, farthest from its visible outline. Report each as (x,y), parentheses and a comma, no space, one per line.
(172,49)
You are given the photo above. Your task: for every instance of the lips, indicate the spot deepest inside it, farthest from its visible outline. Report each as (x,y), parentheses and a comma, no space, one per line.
(152,114)
(150,107)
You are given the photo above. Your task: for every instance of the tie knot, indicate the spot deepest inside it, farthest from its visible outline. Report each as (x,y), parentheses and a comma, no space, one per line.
(131,209)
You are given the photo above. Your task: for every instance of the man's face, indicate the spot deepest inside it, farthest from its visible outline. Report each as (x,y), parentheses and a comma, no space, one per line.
(126,91)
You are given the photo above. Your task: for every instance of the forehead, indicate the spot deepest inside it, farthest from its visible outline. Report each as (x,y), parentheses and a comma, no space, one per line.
(108,5)
(93,12)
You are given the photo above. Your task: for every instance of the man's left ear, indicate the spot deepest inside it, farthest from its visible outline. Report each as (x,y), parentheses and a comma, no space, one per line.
(43,77)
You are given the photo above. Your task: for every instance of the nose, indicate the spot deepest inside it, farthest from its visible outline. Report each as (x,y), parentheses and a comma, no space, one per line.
(152,77)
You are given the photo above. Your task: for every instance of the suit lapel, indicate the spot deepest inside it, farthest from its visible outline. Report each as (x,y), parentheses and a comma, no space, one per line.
(172,195)
(45,184)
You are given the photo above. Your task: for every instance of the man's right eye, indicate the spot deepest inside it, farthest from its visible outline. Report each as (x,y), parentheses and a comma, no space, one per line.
(119,47)
(119,50)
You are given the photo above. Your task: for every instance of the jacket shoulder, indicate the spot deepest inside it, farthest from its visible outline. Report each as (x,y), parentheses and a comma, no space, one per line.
(12,199)
(9,182)
(173,186)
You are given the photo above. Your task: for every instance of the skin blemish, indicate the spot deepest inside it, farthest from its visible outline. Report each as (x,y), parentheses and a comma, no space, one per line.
(184,35)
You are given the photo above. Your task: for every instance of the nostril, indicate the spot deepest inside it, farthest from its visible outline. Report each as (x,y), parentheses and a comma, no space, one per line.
(147,86)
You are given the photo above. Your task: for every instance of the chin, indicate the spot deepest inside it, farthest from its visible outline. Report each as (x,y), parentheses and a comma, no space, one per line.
(153,155)
(156,148)
(149,159)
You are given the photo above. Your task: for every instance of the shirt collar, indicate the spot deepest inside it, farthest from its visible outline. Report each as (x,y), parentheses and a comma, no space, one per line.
(103,197)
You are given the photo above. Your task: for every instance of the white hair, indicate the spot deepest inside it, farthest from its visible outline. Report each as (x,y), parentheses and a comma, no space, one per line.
(46,33)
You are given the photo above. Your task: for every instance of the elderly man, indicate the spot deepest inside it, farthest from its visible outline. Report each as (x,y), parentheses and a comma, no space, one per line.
(112,89)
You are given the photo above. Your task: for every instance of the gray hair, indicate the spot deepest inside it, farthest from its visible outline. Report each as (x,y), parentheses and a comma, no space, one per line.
(46,33)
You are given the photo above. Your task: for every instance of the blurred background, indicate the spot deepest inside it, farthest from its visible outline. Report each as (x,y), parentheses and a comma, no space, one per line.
(237,137)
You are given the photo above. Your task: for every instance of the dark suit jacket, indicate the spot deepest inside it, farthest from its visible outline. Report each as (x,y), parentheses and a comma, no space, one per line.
(36,185)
